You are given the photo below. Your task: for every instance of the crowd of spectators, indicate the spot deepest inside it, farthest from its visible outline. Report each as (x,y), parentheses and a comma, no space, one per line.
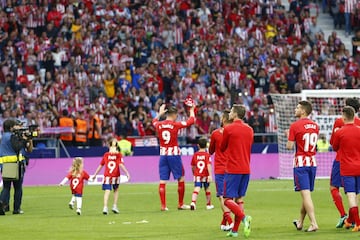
(346,14)
(125,58)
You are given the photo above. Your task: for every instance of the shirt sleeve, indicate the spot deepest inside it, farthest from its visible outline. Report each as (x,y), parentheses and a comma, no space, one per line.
(69,175)
(335,141)
(155,122)
(225,139)
(183,124)
(212,143)
(292,133)
(102,163)
(86,176)
(337,125)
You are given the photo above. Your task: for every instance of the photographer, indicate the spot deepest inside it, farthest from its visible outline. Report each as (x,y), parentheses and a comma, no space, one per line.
(15,141)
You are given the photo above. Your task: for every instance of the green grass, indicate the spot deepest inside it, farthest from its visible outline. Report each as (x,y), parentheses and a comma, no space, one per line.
(272,204)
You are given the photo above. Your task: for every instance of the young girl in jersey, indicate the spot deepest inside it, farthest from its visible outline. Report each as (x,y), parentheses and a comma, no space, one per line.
(77,175)
(113,161)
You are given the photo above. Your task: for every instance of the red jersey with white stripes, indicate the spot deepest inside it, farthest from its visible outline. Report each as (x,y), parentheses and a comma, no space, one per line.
(339,122)
(349,6)
(214,147)
(304,132)
(346,141)
(77,182)
(111,161)
(199,164)
(168,134)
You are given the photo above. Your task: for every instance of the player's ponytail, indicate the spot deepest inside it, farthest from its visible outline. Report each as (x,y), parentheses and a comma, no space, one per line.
(76,166)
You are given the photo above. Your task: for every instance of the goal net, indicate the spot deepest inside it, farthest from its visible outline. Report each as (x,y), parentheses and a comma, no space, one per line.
(327,106)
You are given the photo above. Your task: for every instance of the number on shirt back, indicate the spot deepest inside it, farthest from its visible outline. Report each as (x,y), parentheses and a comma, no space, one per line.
(111,165)
(75,182)
(310,141)
(201,166)
(166,136)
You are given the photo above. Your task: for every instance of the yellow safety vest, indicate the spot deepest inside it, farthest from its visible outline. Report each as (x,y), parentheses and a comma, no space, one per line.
(12,158)
(323,146)
(125,147)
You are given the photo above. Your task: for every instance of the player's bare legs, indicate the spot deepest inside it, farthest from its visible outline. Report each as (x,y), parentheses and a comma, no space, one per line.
(106,200)
(116,197)
(309,209)
(162,194)
(300,222)
(194,198)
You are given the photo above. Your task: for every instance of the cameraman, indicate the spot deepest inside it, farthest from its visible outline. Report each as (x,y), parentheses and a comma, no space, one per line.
(12,147)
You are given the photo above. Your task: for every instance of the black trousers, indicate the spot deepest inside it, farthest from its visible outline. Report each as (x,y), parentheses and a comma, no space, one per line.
(18,190)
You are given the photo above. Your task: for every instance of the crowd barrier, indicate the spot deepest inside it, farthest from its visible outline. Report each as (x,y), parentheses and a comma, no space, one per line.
(143,169)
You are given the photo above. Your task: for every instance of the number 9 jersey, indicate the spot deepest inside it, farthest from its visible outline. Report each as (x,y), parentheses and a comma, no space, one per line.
(199,163)
(168,135)
(111,161)
(77,182)
(304,132)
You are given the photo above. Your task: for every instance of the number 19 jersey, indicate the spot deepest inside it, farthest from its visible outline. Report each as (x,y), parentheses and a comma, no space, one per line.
(304,132)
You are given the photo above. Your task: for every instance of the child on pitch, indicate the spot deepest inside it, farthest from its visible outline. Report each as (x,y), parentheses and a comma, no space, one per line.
(77,175)
(113,161)
(201,167)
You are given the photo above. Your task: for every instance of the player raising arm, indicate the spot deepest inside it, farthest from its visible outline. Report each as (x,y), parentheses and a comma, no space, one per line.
(304,133)
(335,180)
(346,141)
(237,141)
(170,153)
(219,169)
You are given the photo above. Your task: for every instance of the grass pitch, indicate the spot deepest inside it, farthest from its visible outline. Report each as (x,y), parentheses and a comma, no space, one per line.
(272,204)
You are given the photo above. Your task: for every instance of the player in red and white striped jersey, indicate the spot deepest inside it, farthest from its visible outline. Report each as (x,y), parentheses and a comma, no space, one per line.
(304,133)
(77,175)
(112,161)
(201,167)
(170,153)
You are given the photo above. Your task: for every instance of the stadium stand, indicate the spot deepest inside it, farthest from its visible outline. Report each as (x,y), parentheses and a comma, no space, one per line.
(123,59)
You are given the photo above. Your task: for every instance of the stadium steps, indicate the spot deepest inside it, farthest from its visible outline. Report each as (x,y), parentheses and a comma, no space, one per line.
(326,23)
